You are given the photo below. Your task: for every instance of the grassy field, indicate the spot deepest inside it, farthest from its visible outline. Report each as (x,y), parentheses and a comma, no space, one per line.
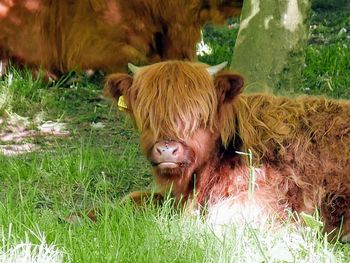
(82,153)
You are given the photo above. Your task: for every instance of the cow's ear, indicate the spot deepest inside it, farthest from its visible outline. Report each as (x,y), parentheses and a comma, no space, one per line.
(116,85)
(228,86)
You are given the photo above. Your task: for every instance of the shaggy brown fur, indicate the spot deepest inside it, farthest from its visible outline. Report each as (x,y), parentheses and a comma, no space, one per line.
(301,146)
(104,34)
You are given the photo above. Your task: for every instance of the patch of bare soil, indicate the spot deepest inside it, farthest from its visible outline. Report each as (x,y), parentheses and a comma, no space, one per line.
(18,134)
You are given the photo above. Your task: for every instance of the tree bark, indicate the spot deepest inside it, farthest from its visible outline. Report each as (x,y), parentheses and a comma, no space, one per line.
(270,43)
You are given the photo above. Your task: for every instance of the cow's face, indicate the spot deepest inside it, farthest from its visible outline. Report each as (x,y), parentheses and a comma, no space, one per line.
(176,107)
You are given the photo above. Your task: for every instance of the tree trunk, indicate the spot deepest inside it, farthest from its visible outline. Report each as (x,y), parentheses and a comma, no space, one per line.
(270,43)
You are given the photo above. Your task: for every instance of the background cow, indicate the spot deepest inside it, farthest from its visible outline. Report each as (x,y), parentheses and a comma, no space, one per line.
(193,124)
(104,34)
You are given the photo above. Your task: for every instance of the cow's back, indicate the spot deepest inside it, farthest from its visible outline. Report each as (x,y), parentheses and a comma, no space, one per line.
(307,140)
(104,34)
(30,30)
(66,35)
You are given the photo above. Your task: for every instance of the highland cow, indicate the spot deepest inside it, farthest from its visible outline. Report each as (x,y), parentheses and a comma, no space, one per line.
(194,123)
(104,35)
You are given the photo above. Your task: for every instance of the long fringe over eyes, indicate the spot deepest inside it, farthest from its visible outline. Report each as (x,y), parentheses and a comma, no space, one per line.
(173,100)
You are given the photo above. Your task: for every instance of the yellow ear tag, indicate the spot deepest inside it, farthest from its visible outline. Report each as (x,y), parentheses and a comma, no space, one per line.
(121,104)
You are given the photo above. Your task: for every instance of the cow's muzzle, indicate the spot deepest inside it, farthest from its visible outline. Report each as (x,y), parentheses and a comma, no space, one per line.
(168,154)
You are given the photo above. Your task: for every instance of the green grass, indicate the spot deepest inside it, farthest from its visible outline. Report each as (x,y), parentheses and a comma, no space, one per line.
(327,70)
(327,60)
(43,188)
(98,167)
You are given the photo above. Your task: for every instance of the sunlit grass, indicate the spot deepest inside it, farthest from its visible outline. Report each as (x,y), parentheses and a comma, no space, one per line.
(97,168)
(125,234)
(14,250)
